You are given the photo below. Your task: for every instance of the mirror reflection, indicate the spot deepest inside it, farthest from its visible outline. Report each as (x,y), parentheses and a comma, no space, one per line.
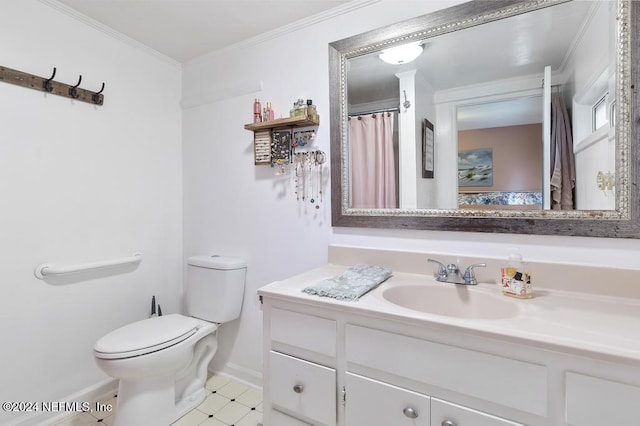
(515,114)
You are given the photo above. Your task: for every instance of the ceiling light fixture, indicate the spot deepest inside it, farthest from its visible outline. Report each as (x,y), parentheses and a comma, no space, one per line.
(401,54)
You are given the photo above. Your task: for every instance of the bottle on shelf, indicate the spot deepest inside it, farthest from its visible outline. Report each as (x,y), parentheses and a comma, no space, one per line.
(299,109)
(257,111)
(269,113)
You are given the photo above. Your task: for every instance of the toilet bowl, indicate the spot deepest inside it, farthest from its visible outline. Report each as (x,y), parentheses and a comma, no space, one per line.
(162,362)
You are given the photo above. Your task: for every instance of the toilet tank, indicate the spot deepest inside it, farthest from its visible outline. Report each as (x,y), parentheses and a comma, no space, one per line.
(215,287)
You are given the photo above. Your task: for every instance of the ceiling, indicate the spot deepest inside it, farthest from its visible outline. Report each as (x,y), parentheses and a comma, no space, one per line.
(186,29)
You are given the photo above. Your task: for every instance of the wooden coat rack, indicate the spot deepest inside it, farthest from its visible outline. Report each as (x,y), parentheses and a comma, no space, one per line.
(48,85)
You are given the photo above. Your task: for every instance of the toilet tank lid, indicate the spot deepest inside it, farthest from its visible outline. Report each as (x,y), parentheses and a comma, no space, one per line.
(217,262)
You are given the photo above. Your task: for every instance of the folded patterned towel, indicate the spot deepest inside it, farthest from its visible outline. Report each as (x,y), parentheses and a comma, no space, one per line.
(352,283)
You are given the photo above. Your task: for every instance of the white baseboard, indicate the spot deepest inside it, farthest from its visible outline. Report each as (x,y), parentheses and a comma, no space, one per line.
(97,392)
(241,374)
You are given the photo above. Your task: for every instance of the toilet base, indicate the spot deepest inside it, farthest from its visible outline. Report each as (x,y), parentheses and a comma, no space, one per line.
(146,402)
(189,403)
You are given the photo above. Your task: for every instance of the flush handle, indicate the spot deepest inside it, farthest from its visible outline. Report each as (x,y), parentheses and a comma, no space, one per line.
(298,388)
(448,423)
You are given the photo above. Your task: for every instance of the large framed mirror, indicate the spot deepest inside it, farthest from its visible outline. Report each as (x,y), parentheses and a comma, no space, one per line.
(507,116)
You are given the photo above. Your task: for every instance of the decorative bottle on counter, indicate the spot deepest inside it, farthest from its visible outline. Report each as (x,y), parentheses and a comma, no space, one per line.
(516,280)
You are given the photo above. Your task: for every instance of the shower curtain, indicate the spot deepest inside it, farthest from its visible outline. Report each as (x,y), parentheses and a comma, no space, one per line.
(563,169)
(371,161)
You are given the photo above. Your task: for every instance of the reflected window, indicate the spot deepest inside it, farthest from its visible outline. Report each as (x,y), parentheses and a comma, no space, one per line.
(600,116)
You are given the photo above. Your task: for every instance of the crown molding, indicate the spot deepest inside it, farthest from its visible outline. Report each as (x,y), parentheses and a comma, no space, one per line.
(289,28)
(72,13)
(264,37)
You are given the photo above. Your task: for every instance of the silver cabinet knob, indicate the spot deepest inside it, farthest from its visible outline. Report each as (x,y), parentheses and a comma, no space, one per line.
(298,388)
(448,423)
(410,412)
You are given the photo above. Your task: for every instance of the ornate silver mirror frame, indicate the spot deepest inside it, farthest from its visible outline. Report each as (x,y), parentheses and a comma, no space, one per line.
(623,222)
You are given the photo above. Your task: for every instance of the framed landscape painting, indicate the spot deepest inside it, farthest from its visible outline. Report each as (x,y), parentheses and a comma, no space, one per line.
(475,167)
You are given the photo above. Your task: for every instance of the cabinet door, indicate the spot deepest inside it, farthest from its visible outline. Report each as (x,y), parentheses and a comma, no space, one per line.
(303,388)
(447,414)
(592,401)
(373,403)
(281,419)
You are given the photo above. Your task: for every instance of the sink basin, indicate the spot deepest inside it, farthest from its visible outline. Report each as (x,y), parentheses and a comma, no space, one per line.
(451,301)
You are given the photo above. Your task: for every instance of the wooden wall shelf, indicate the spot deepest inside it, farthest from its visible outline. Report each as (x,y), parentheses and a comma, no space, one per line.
(284,123)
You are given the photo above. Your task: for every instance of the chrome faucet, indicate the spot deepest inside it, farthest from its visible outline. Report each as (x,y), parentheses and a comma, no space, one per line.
(451,273)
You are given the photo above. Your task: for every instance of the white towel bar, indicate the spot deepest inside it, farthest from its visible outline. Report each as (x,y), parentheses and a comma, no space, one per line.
(47,269)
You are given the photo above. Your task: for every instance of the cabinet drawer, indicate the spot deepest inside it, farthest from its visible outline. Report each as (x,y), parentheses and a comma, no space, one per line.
(593,401)
(304,331)
(302,387)
(370,402)
(281,419)
(443,412)
(516,384)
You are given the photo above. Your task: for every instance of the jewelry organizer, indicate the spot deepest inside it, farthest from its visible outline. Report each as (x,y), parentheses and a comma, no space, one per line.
(262,147)
(281,148)
(263,138)
(278,142)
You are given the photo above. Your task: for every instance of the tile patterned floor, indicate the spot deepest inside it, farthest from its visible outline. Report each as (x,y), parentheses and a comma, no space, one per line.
(229,403)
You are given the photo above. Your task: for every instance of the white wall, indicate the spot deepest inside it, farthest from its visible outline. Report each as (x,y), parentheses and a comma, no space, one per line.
(81,183)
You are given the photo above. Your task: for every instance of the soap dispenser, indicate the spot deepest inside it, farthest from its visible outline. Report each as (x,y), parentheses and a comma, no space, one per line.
(516,280)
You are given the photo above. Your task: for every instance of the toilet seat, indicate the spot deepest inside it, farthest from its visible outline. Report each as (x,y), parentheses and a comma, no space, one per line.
(146,336)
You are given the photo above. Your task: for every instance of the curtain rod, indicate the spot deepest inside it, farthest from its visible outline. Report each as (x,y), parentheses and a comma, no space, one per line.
(375,111)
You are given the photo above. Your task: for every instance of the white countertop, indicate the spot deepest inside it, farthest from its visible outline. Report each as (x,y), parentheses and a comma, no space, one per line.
(603,327)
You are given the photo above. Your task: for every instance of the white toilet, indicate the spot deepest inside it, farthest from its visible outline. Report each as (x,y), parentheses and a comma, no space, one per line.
(162,362)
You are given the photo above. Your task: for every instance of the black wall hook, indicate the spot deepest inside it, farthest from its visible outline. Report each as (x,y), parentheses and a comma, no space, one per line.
(47,84)
(96,96)
(72,90)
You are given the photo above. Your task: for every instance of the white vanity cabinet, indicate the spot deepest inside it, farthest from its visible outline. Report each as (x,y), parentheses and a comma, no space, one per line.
(339,364)
(309,355)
